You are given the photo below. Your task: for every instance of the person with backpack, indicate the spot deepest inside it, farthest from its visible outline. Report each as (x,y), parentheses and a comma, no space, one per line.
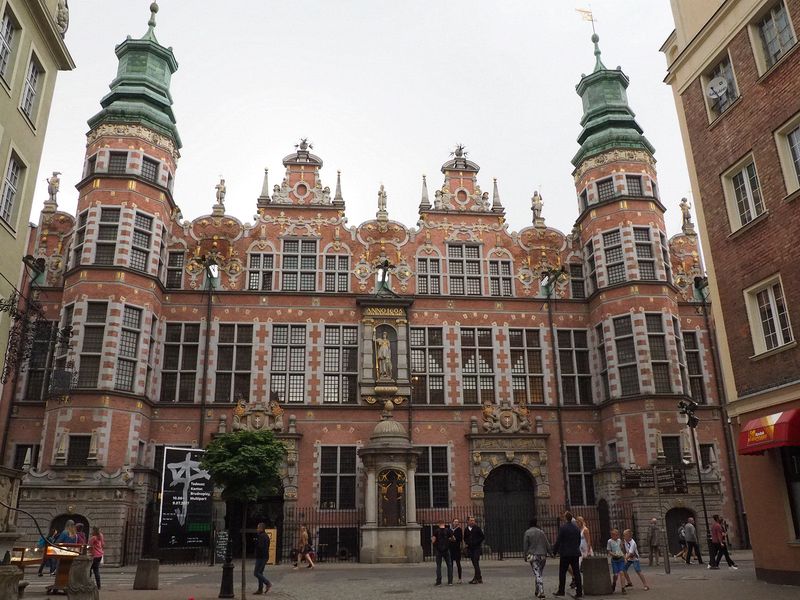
(262,555)
(681,541)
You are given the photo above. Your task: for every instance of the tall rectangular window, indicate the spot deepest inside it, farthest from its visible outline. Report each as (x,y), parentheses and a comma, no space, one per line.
(79,238)
(299,266)
(694,366)
(601,354)
(527,375)
(128,350)
(615,259)
(659,361)
(142,238)
(464,269)
(672,449)
(107,233)
(40,363)
(721,98)
(11,188)
(175,264)
(747,192)
(581,463)
(605,190)
(260,273)
(92,349)
(775,326)
(793,138)
(500,278)
(591,263)
(665,256)
(427,365)
(234,362)
(150,169)
(634,183)
(678,338)
(8,34)
(477,365)
(776,33)
(31,88)
(576,280)
(288,366)
(432,481)
(179,373)
(26,453)
(337,480)
(429,276)
(337,273)
(78,451)
(644,253)
(340,365)
(573,357)
(626,356)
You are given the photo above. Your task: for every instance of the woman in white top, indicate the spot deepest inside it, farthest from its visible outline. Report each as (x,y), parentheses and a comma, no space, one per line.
(586,538)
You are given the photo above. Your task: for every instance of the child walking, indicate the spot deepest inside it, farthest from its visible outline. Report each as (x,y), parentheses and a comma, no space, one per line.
(632,557)
(616,552)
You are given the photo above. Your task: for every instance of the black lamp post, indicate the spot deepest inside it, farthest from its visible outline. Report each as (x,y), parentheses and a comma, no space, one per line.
(687,408)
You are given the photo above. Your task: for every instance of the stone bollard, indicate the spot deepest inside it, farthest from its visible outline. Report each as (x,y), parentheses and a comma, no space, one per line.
(81,586)
(9,582)
(596,577)
(146,574)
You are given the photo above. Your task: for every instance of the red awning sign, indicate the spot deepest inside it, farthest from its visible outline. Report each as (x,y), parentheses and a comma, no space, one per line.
(772,431)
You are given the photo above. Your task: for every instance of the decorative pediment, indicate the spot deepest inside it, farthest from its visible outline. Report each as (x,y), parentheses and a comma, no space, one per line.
(258,415)
(506,418)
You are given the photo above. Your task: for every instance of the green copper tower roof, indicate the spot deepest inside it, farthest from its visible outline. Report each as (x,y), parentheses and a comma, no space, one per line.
(608,122)
(140,92)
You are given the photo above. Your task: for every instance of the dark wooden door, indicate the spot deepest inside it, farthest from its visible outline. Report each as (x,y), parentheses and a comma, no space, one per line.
(509,500)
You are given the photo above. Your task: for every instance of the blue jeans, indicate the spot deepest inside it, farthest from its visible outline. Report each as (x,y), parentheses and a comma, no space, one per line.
(448,561)
(263,582)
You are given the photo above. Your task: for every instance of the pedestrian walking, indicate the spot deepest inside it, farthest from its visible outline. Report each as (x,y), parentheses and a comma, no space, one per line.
(719,546)
(440,542)
(473,538)
(97,548)
(306,550)
(262,555)
(536,548)
(681,541)
(654,541)
(690,532)
(48,562)
(616,552)
(568,547)
(455,546)
(632,557)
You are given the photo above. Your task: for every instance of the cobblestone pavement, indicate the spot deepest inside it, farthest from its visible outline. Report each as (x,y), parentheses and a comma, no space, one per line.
(505,580)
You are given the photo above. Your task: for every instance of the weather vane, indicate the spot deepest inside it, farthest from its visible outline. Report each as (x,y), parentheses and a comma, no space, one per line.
(586,14)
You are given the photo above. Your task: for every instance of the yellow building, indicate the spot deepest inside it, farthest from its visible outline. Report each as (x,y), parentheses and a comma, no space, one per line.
(32,52)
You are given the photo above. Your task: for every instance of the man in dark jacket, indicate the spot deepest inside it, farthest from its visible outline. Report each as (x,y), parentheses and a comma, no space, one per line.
(262,555)
(473,538)
(440,543)
(455,546)
(568,547)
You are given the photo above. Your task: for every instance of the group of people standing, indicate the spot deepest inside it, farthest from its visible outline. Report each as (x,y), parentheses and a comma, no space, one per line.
(449,542)
(73,535)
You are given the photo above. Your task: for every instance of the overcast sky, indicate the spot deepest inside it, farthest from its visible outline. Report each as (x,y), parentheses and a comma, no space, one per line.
(384,90)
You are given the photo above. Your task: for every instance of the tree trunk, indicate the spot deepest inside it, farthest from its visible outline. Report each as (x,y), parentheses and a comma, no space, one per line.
(244,548)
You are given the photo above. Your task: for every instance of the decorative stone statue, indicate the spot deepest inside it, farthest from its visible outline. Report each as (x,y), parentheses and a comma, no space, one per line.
(62,17)
(536,206)
(53,183)
(383,353)
(220,187)
(382,202)
(688,226)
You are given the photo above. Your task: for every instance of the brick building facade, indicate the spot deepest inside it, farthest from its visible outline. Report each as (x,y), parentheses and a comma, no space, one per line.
(741,139)
(567,385)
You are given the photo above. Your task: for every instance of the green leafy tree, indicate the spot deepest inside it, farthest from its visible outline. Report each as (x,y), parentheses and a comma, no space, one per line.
(245,464)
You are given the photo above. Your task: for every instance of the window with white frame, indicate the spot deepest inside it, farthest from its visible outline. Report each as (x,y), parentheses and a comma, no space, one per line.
(340,365)
(601,354)
(175,264)
(576,280)
(588,253)
(179,371)
(260,272)
(288,366)
(464,269)
(659,361)
(427,365)
(644,253)
(142,239)
(787,140)
(92,347)
(573,358)
(634,183)
(41,359)
(299,266)
(768,315)
(32,87)
(626,356)
(775,34)
(720,98)
(107,233)
(12,183)
(527,375)
(694,367)
(9,30)
(337,479)
(615,258)
(743,193)
(429,275)
(432,480)
(605,190)
(477,365)
(500,278)
(581,463)
(128,350)
(337,273)
(234,362)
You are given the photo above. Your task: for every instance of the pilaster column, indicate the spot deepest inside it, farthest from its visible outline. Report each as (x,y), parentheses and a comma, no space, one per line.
(371,500)
(411,496)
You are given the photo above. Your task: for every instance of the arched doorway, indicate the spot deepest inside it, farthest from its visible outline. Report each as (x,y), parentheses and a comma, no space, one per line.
(59,522)
(509,500)
(674,518)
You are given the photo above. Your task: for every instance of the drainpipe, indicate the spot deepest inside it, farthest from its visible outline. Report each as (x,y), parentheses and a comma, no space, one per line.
(208,264)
